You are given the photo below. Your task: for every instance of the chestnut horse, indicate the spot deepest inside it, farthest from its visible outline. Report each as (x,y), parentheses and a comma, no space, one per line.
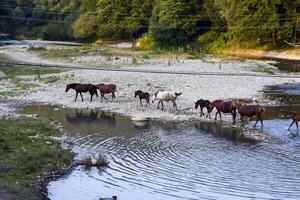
(142,95)
(203,104)
(294,116)
(225,107)
(165,96)
(82,88)
(251,110)
(106,89)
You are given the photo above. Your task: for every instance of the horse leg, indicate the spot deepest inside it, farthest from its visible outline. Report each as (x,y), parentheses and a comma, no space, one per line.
(92,94)
(174,105)
(76,96)
(233,112)
(216,115)
(113,96)
(291,125)
(201,113)
(297,125)
(81,96)
(141,102)
(162,105)
(257,117)
(220,115)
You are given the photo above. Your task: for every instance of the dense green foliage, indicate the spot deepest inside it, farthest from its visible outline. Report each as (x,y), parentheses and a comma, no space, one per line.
(25,153)
(210,24)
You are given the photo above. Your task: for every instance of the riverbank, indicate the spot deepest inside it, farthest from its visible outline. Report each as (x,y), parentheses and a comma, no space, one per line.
(30,156)
(292,54)
(50,88)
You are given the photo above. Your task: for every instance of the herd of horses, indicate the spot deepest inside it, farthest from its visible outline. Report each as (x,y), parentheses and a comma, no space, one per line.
(221,106)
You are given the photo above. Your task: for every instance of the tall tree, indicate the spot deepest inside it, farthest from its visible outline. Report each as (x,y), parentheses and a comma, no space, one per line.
(175,22)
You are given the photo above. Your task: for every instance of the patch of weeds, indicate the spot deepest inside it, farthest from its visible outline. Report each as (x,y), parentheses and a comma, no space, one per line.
(8,93)
(264,69)
(87,162)
(38,48)
(134,60)
(12,71)
(49,79)
(25,157)
(102,161)
(146,56)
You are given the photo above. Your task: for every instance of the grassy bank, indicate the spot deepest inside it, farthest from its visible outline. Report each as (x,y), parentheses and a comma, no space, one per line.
(27,152)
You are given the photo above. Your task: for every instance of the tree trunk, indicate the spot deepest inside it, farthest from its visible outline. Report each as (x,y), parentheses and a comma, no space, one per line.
(274,37)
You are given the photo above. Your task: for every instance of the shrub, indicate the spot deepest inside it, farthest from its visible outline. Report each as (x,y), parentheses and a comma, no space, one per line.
(145,42)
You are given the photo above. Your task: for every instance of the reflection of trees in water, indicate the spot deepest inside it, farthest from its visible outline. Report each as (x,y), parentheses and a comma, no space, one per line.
(219,130)
(91,117)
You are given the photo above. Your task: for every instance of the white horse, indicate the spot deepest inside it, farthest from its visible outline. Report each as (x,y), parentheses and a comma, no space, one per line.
(165,96)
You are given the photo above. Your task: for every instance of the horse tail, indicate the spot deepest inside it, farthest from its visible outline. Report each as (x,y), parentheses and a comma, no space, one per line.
(178,94)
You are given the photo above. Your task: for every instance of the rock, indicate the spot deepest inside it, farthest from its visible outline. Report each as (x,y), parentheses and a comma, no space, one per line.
(138,118)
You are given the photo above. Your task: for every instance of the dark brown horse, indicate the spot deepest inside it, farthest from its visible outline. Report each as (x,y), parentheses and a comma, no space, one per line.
(203,104)
(225,107)
(82,88)
(142,95)
(294,116)
(106,89)
(250,111)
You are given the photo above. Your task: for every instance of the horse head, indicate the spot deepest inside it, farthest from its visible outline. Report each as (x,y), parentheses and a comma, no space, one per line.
(237,104)
(288,115)
(68,87)
(137,92)
(196,105)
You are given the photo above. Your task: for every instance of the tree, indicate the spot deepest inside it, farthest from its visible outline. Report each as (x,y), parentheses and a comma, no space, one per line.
(175,22)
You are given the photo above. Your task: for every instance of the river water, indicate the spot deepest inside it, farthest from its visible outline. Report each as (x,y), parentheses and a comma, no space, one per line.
(179,160)
(158,160)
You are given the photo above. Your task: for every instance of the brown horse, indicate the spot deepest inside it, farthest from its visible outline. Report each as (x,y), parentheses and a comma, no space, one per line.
(106,89)
(142,95)
(203,104)
(82,88)
(294,116)
(225,107)
(250,111)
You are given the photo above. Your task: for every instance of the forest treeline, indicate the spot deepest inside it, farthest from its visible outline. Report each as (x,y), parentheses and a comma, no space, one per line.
(210,24)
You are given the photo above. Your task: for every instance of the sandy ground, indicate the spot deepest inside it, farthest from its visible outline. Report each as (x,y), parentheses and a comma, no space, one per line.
(192,87)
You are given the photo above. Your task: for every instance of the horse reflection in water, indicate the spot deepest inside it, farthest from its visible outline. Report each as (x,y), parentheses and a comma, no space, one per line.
(91,117)
(220,131)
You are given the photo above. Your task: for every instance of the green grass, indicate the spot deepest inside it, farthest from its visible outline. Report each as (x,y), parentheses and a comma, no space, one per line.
(12,71)
(26,153)
(19,87)
(264,69)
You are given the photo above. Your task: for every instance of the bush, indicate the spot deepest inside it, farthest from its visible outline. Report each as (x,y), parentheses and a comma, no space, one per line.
(145,42)
(212,42)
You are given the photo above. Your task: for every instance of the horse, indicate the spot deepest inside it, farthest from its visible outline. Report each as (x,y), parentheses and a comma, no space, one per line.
(106,89)
(294,116)
(82,88)
(203,104)
(250,111)
(142,95)
(225,107)
(165,96)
